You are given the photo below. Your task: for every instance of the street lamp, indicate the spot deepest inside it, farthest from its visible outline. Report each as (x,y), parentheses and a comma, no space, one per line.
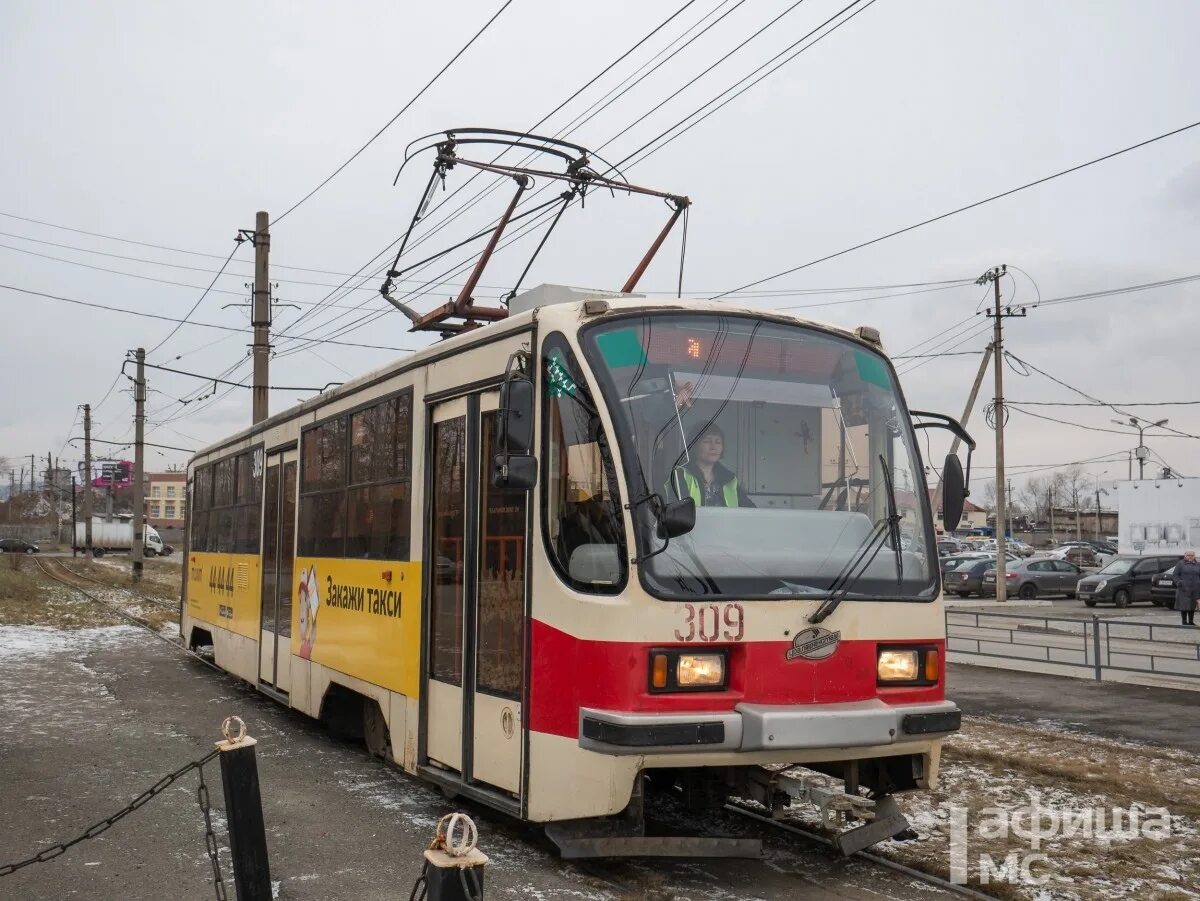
(1142,451)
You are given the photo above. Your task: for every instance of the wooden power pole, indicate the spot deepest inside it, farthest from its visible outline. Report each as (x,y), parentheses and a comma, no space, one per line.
(261,317)
(87,479)
(139,463)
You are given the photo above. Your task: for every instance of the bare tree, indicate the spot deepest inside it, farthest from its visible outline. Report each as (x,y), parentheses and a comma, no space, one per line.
(1075,489)
(989,497)
(1034,497)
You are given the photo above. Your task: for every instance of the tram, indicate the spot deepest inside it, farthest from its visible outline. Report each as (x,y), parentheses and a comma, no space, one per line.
(604,545)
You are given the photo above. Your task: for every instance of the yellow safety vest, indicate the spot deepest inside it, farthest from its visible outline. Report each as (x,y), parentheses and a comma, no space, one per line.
(729,489)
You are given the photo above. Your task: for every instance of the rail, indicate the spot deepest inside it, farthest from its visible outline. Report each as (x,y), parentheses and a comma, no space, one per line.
(1074,646)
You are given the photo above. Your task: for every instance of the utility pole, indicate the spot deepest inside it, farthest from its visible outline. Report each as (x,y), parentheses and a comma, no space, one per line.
(32,470)
(87,480)
(1141,451)
(983,365)
(261,317)
(998,314)
(139,452)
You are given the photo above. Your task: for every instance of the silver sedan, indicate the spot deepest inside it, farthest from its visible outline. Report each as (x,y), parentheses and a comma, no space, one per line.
(1029,578)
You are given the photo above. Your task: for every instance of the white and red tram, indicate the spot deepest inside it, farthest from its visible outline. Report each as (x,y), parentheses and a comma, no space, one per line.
(605,543)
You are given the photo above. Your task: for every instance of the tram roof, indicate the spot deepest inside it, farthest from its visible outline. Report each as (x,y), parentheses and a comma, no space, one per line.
(555,304)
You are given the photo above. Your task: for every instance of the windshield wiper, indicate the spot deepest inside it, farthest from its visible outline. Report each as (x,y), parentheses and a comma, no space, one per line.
(893,520)
(854,569)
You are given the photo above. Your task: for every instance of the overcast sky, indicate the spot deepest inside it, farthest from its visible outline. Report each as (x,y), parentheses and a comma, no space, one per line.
(172,123)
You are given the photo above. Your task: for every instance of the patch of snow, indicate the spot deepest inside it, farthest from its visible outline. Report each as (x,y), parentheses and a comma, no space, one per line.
(17,642)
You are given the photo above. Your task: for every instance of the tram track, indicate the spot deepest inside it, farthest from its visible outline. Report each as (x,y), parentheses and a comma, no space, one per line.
(962,891)
(54,570)
(100,583)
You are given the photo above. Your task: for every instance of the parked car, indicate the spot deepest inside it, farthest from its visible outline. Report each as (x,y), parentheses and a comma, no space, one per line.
(1083,555)
(1162,588)
(1029,578)
(948,547)
(951,563)
(1018,547)
(967,578)
(1125,580)
(17,546)
(1102,547)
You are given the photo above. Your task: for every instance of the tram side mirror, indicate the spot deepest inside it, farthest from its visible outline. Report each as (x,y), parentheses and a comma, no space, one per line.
(678,518)
(516,416)
(954,493)
(515,468)
(514,472)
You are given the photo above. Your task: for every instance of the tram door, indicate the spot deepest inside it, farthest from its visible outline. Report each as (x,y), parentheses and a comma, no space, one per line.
(278,583)
(476,602)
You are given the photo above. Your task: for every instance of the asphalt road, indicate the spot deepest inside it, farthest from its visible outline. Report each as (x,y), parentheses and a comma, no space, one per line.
(90,719)
(1164,717)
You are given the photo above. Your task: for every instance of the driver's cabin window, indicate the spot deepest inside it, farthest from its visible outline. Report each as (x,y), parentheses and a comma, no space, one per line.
(584,530)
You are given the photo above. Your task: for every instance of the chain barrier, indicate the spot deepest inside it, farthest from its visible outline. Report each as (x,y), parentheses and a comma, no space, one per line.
(153,791)
(210,838)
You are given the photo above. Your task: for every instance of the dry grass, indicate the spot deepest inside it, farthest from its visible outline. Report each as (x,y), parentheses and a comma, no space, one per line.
(160,579)
(30,598)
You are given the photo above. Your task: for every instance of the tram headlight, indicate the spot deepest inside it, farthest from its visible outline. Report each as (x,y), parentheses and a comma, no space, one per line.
(908,666)
(700,670)
(898,666)
(676,669)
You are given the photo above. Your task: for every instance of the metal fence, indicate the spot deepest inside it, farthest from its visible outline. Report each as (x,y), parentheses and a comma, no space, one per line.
(1088,646)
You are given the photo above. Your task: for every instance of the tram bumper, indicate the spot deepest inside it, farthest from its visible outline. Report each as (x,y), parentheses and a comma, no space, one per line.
(767,727)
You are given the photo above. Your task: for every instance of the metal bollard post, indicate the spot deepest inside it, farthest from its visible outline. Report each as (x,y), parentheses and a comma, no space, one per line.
(454,867)
(243,810)
(1096,645)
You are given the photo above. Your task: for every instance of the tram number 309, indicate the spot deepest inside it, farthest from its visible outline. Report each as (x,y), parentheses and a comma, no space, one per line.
(712,622)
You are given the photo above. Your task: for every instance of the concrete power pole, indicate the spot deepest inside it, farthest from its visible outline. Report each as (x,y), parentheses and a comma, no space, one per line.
(139,463)
(261,317)
(87,479)
(999,314)
(32,471)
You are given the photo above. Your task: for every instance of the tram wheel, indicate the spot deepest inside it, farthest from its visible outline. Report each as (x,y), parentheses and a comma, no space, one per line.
(376,734)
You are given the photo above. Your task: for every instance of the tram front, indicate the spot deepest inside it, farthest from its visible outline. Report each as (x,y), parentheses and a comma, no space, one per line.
(778,598)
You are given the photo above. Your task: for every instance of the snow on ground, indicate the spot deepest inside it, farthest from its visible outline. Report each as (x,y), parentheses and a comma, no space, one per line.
(17,642)
(1007,774)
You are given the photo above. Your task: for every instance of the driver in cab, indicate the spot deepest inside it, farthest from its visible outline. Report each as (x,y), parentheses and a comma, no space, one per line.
(703,477)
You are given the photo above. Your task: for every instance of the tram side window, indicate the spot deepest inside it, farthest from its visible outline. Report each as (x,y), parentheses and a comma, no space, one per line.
(323,487)
(198,510)
(380,476)
(356,474)
(227,505)
(584,531)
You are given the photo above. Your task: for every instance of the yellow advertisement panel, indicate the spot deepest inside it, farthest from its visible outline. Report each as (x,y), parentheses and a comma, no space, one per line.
(360,617)
(224,590)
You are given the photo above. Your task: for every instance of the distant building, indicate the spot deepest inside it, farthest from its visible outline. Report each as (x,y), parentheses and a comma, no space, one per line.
(166,499)
(973,517)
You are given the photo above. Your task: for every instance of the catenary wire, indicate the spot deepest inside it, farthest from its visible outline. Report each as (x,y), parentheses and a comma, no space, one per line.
(417,96)
(970,206)
(727,55)
(554,111)
(210,325)
(649,153)
(199,300)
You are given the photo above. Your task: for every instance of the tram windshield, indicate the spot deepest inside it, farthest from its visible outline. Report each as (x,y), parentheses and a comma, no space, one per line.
(794,446)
